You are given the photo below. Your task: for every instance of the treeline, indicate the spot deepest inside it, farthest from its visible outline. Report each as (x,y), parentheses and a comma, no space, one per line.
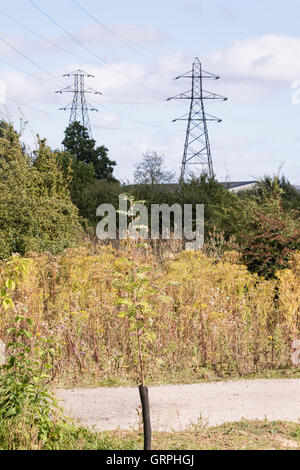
(48,201)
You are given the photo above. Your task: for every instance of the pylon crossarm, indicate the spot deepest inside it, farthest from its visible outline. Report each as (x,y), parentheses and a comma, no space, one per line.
(65,108)
(204,74)
(91,90)
(79,107)
(210,75)
(207,95)
(184,75)
(68,89)
(187,95)
(209,117)
(185,117)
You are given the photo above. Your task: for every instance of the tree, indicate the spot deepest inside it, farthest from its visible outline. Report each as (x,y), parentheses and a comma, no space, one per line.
(15,189)
(79,176)
(150,170)
(270,236)
(272,186)
(224,211)
(79,144)
(36,211)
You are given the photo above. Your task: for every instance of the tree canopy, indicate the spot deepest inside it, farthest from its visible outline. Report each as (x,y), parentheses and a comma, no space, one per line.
(36,211)
(151,170)
(79,144)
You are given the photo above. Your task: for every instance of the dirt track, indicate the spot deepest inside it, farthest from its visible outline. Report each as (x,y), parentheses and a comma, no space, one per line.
(176,406)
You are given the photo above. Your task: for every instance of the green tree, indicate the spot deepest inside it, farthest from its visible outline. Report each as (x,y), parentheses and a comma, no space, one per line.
(270,235)
(78,143)
(272,186)
(79,177)
(224,212)
(36,211)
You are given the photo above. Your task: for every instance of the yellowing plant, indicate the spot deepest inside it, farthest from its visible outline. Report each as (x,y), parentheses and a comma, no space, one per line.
(173,315)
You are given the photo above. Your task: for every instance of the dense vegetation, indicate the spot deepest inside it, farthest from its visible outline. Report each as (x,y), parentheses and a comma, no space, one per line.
(193,316)
(48,201)
(77,311)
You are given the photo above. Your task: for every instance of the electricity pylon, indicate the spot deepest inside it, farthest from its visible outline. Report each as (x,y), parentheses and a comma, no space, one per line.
(197,147)
(79,106)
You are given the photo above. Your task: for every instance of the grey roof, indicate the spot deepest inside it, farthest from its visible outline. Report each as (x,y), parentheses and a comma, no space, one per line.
(226,184)
(235,184)
(297,187)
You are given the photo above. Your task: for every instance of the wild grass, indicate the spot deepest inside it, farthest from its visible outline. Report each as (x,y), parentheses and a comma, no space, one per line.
(208,316)
(243,435)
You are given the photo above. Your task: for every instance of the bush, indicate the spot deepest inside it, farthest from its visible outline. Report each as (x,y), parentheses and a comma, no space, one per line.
(29,416)
(36,211)
(270,237)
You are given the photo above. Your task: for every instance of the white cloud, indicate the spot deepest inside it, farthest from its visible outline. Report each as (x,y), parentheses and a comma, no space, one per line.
(244,158)
(126,81)
(269,57)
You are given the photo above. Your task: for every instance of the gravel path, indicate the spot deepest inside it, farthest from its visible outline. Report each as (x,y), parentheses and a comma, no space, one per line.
(177,406)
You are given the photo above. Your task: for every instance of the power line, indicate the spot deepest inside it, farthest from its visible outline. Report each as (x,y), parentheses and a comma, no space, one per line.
(117,36)
(91,51)
(33,108)
(23,71)
(43,38)
(134,103)
(30,60)
(53,44)
(125,116)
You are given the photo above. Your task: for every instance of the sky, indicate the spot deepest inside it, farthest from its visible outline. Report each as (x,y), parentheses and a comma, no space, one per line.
(135,49)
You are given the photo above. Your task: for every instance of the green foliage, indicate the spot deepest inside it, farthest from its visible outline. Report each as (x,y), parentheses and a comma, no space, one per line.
(29,414)
(89,172)
(25,401)
(270,236)
(30,418)
(224,211)
(96,193)
(272,187)
(14,271)
(290,196)
(79,176)
(271,228)
(36,211)
(133,283)
(79,144)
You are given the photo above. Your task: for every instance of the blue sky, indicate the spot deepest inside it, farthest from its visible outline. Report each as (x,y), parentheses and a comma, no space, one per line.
(253,45)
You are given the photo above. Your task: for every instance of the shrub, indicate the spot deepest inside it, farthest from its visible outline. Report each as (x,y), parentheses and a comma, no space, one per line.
(36,212)
(270,237)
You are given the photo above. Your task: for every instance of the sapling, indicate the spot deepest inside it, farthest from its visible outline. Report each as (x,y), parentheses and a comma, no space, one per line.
(133,283)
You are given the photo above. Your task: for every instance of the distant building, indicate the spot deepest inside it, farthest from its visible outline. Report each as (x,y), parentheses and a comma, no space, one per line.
(232,186)
(235,186)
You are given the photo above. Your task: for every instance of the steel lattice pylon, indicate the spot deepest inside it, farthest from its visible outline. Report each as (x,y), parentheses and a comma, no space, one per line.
(197,147)
(79,106)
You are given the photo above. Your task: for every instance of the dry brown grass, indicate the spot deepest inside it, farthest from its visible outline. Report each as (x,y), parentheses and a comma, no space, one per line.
(211,318)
